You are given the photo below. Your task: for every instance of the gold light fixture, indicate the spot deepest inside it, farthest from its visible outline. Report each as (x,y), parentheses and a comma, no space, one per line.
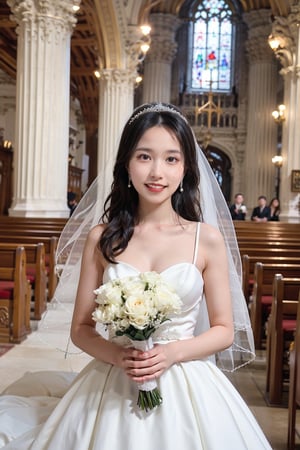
(76,6)
(281,43)
(138,79)
(279,114)
(275,42)
(7,145)
(145,40)
(277,160)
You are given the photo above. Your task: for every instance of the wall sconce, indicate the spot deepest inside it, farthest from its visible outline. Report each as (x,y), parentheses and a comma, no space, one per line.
(277,160)
(145,41)
(7,145)
(139,79)
(275,42)
(75,8)
(279,114)
(281,44)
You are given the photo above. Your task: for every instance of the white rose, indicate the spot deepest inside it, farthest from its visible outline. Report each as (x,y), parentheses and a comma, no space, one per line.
(108,293)
(137,309)
(166,300)
(152,278)
(133,287)
(243,208)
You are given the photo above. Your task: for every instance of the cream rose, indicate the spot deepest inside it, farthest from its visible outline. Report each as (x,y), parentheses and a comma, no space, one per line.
(138,310)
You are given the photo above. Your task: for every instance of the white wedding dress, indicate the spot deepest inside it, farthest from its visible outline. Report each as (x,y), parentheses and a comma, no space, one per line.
(201,409)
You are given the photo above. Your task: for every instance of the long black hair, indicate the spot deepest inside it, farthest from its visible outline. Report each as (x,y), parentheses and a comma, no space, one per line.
(121,206)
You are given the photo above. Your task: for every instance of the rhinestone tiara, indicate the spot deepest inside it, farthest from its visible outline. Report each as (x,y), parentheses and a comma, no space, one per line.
(156,108)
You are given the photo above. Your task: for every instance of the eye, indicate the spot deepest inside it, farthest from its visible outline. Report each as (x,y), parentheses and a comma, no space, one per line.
(172,159)
(143,156)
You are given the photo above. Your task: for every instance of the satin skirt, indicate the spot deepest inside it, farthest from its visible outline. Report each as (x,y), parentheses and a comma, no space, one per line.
(201,409)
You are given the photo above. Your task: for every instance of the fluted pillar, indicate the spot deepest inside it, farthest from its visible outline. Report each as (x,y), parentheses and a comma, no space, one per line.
(115,107)
(261,140)
(289,55)
(42,107)
(158,63)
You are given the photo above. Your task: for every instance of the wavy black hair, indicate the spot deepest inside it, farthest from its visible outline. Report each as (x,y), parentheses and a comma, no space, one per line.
(121,206)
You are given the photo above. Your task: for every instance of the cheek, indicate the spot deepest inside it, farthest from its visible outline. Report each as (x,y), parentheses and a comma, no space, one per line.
(180,172)
(137,171)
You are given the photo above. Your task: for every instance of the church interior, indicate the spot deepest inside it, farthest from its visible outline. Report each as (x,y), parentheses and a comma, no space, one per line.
(71,73)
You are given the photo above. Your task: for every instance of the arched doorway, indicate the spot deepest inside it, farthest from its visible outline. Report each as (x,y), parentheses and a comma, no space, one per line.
(221,166)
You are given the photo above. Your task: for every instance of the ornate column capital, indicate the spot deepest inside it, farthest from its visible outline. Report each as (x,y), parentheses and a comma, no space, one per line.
(41,12)
(164,46)
(117,76)
(258,50)
(259,29)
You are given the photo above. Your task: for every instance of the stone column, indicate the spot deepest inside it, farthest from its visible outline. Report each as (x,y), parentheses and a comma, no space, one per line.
(261,130)
(288,53)
(115,107)
(158,63)
(42,116)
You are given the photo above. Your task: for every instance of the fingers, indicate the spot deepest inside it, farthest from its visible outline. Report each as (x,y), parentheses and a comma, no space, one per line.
(148,366)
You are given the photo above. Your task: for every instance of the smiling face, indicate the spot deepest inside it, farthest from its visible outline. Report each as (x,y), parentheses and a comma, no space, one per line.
(156,167)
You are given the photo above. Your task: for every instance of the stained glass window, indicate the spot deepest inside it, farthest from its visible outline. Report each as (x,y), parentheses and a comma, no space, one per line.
(212,46)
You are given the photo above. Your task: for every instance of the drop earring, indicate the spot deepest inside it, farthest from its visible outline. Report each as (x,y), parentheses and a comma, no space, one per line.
(129,182)
(181,186)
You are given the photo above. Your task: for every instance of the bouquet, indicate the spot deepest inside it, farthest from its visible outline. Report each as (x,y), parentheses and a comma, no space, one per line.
(135,306)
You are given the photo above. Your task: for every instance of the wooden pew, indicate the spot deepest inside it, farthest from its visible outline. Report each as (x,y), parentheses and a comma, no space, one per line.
(36,274)
(50,244)
(280,333)
(262,294)
(265,251)
(248,264)
(44,222)
(294,388)
(290,244)
(14,295)
(266,227)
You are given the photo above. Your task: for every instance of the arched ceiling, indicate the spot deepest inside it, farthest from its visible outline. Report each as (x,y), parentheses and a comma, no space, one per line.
(90,46)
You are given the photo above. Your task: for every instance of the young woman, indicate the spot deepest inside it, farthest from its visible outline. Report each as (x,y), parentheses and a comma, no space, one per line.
(153,221)
(274,210)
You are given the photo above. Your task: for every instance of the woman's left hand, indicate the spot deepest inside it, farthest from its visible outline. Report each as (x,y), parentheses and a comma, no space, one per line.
(150,364)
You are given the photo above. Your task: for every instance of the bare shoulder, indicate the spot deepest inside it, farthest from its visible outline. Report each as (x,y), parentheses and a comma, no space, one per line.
(210,235)
(95,233)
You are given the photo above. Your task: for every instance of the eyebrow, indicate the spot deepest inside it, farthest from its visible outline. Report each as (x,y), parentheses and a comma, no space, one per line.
(151,150)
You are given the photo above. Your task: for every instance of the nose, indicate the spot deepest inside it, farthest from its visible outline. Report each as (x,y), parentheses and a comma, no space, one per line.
(155,170)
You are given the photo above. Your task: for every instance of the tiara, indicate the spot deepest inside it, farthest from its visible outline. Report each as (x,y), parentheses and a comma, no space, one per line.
(156,108)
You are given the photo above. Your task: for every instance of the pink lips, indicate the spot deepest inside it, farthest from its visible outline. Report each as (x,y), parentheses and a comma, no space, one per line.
(152,187)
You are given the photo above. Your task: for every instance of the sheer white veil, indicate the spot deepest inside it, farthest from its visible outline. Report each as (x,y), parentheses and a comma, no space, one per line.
(215,212)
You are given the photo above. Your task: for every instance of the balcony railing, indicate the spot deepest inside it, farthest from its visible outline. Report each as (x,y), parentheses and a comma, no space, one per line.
(220,110)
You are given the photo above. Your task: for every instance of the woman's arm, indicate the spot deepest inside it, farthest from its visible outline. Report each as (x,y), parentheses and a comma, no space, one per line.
(83,328)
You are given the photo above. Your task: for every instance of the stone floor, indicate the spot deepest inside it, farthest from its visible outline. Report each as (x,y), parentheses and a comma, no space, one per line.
(40,352)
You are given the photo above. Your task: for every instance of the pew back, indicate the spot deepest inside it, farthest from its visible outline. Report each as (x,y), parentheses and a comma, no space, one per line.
(14,301)
(262,295)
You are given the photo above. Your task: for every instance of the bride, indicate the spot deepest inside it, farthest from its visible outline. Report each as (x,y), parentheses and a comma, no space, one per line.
(155,219)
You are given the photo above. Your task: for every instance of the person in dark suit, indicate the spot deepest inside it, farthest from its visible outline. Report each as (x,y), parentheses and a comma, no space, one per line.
(72,203)
(238,210)
(262,212)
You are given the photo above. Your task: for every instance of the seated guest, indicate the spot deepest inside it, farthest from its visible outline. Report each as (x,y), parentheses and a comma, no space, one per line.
(261,213)
(238,210)
(72,203)
(274,209)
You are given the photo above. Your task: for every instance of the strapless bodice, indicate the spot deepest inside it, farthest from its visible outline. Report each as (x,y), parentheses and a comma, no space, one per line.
(187,282)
